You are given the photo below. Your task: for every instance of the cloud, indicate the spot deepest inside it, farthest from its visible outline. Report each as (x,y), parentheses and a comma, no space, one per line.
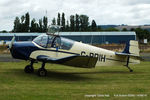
(136,2)
(103,11)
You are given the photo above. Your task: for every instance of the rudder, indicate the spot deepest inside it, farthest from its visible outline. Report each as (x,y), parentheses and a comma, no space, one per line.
(132,47)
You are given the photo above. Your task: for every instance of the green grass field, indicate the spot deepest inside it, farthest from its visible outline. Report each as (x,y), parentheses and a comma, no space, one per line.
(68,83)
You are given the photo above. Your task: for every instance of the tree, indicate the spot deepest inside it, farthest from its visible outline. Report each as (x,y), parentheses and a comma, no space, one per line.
(34,26)
(146,34)
(58,19)
(94,26)
(141,34)
(124,29)
(84,22)
(63,22)
(3,31)
(54,21)
(45,22)
(132,29)
(16,24)
(67,26)
(99,28)
(72,23)
(22,19)
(27,22)
(77,22)
(111,29)
(40,25)
(22,24)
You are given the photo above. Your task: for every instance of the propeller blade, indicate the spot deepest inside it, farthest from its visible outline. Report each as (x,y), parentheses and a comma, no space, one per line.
(12,41)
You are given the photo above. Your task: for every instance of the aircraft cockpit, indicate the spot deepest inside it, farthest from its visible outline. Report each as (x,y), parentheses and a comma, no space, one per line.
(53,41)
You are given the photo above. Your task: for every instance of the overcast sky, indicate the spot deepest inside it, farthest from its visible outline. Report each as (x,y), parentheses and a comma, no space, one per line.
(131,12)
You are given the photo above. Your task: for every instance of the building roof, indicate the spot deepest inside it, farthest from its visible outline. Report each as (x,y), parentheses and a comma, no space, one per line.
(98,33)
(71,33)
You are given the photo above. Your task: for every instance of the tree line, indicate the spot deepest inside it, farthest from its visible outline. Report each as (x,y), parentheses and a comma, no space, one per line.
(23,24)
(75,23)
(140,33)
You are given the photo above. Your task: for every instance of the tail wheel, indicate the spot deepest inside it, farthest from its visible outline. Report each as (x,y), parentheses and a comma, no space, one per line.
(42,72)
(29,69)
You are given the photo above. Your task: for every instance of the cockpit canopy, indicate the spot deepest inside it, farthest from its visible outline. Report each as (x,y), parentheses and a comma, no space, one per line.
(52,41)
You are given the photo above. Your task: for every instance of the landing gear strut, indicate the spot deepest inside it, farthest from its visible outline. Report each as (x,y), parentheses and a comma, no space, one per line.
(29,68)
(42,71)
(127,65)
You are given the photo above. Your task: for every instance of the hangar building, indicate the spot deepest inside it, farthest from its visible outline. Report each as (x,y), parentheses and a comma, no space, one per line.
(85,37)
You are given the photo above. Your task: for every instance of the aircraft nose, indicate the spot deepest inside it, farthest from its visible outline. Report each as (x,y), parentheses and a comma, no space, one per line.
(22,50)
(17,51)
(13,51)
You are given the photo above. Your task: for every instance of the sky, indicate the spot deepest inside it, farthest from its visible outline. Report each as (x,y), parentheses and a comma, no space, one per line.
(104,12)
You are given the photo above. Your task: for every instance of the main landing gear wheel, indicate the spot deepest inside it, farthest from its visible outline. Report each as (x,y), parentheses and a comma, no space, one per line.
(131,70)
(29,69)
(42,72)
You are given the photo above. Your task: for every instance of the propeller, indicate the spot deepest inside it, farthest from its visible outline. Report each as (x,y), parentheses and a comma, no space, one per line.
(11,43)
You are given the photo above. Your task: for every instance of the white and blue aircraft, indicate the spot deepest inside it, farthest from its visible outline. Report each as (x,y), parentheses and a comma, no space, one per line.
(52,48)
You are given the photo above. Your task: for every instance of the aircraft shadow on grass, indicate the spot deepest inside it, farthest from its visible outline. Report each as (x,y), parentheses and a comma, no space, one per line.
(53,75)
(70,76)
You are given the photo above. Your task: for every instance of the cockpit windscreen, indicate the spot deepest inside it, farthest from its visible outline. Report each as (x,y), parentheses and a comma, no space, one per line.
(48,41)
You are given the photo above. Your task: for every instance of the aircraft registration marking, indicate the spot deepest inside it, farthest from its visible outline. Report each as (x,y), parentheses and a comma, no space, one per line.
(101,57)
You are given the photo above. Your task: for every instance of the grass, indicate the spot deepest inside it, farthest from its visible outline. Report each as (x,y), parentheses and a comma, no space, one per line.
(68,83)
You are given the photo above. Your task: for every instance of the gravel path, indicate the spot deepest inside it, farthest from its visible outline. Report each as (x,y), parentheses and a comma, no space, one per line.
(145,56)
(7,58)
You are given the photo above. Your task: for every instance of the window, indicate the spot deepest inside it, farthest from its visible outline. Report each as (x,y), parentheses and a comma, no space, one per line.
(56,42)
(66,43)
(41,40)
(48,41)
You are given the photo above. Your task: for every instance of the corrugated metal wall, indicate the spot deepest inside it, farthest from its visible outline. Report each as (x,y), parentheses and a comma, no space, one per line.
(102,39)
(85,37)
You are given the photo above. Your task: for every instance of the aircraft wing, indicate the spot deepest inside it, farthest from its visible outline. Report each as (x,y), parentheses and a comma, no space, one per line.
(74,60)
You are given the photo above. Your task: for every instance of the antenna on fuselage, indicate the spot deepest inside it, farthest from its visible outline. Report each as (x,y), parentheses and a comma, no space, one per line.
(53,30)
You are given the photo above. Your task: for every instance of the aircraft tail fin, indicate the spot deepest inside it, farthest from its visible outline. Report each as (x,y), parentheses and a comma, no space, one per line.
(131,51)
(130,54)
(132,47)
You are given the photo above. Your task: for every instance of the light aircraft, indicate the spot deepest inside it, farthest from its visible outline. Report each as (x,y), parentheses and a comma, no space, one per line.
(52,48)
